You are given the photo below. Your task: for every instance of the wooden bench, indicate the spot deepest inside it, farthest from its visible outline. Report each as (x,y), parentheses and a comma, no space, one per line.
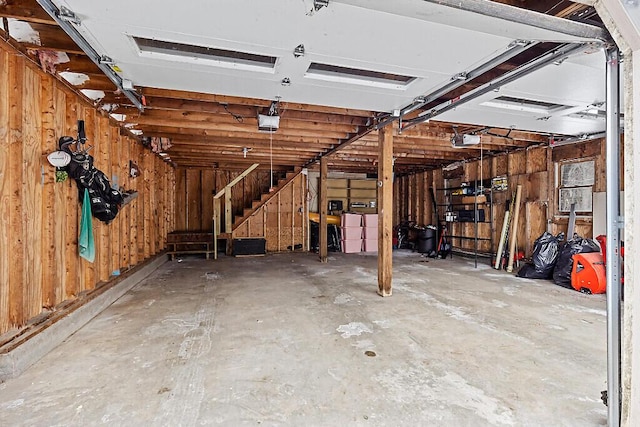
(182,243)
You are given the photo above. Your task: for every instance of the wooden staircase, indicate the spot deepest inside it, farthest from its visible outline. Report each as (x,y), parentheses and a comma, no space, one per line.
(265,197)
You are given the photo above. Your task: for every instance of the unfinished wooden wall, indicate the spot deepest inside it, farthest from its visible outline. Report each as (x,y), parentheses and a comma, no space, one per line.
(533,168)
(282,221)
(412,198)
(39,263)
(194,195)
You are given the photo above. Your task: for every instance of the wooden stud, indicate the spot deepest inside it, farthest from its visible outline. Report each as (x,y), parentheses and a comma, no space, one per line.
(89,268)
(32,182)
(228,212)
(322,208)
(125,212)
(6,65)
(279,204)
(385,211)
(48,144)
(293,216)
(72,208)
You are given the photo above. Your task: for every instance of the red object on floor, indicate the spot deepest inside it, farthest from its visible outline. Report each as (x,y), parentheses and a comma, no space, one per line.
(602,239)
(588,273)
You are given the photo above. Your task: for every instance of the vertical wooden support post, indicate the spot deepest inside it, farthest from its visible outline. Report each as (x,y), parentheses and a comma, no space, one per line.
(228,222)
(323,204)
(385,210)
(216,226)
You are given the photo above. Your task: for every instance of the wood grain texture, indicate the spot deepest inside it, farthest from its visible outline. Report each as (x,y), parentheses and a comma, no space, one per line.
(32,181)
(102,157)
(5,190)
(16,220)
(47,142)
(39,264)
(323,205)
(385,211)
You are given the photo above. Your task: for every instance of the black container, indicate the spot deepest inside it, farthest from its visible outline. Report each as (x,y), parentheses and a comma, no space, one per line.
(426,240)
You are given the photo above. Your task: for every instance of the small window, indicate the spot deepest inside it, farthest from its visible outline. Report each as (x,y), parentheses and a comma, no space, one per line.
(576,186)
(335,73)
(162,49)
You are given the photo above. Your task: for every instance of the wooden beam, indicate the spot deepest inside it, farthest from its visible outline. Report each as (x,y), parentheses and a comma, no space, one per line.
(237,179)
(322,208)
(26,10)
(264,103)
(228,213)
(385,211)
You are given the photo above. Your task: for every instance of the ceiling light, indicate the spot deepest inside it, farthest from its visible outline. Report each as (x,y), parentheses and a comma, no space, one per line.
(298,51)
(286,81)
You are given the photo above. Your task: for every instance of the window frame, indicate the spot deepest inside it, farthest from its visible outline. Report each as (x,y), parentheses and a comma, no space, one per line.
(560,187)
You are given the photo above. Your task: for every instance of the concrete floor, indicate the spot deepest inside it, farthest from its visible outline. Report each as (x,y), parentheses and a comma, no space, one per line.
(283,340)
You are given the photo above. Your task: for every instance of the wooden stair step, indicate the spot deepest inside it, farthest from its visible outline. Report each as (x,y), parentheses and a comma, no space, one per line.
(256,204)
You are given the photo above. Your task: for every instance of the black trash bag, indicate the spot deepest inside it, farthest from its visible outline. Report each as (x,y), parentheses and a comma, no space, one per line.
(546,250)
(564,266)
(528,271)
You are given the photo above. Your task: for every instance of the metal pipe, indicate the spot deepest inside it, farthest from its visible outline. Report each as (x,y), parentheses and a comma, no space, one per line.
(68,28)
(614,222)
(527,17)
(515,48)
(528,68)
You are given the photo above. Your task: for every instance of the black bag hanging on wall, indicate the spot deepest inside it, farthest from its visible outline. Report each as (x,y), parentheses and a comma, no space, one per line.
(105,201)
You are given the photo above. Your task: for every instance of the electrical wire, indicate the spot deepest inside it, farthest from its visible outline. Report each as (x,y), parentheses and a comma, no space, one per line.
(238,117)
(556,5)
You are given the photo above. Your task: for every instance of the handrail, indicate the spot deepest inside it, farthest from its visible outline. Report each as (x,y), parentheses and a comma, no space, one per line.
(228,223)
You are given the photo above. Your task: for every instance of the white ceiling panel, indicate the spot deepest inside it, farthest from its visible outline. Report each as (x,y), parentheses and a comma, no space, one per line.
(412,38)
